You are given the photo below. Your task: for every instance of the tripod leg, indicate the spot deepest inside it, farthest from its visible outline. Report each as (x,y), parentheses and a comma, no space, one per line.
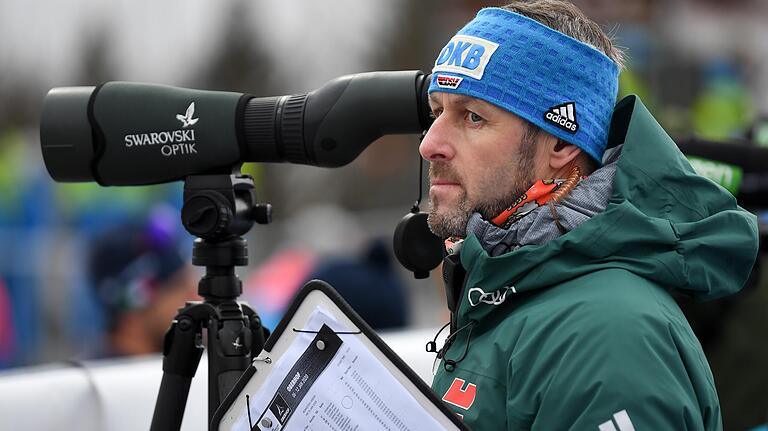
(171,401)
(181,356)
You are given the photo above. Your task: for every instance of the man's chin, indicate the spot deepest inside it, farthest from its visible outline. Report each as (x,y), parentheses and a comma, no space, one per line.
(446,224)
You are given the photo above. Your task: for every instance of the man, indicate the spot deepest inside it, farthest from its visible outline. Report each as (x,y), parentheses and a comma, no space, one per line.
(141,278)
(573,221)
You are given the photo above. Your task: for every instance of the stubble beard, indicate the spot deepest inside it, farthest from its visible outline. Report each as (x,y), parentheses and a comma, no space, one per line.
(452,221)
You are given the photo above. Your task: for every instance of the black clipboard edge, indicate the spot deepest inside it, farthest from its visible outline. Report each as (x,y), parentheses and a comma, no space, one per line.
(345,308)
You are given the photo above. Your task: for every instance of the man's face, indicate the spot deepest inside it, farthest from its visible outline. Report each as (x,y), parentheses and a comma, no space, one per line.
(480,161)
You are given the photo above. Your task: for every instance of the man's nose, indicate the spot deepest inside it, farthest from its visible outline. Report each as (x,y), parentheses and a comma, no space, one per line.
(436,144)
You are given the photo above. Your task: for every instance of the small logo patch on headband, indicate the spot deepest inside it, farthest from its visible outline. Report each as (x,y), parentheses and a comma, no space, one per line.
(447,81)
(467,55)
(563,116)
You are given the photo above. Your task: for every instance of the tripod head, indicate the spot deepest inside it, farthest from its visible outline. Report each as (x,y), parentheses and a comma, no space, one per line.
(218,209)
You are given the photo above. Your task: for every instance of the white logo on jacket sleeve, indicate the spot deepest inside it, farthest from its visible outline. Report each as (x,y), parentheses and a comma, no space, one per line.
(467,55)
(623,423)
(476,296)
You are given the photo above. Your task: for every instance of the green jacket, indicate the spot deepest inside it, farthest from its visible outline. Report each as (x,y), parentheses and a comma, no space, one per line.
(585,334)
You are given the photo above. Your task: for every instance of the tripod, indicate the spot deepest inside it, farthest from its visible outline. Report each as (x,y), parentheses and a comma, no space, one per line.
(218,210)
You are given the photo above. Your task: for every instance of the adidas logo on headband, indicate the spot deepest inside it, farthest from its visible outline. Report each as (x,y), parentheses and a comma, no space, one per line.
(563,116)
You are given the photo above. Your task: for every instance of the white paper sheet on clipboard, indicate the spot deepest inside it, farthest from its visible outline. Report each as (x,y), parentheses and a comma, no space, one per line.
(328,371)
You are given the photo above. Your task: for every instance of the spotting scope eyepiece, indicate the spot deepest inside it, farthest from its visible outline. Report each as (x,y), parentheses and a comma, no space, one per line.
(123,133)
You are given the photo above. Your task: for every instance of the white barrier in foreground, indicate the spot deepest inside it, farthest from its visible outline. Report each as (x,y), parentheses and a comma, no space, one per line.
(119,394)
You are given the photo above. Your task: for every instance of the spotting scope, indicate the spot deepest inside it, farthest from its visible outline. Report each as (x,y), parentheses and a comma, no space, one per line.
(123,133)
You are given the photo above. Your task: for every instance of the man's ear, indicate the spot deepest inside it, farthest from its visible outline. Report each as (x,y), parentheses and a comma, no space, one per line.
(561,154)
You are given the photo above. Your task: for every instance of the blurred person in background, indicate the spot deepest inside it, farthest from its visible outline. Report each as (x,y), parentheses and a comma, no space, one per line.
(141,277)
(329,243)
(567,220)
(369,283)
(366,280)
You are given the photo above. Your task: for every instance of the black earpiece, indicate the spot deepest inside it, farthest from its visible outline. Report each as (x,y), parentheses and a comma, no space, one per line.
(416,247)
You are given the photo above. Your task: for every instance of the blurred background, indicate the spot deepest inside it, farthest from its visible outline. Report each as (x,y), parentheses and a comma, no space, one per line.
(700,66)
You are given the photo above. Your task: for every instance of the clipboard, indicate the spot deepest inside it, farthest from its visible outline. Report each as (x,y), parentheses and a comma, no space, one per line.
(317,298)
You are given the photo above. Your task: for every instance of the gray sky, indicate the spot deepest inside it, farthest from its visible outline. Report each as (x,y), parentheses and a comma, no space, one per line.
(167,41)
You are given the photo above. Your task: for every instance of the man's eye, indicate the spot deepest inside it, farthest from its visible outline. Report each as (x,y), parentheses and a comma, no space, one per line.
(474,117)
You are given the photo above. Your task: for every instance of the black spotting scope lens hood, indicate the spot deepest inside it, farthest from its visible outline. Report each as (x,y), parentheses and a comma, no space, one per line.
(66,135)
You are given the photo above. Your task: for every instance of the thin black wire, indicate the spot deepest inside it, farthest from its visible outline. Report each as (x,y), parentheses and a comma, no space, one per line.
(421,176)
(453,362)
(248,407)
(452,337)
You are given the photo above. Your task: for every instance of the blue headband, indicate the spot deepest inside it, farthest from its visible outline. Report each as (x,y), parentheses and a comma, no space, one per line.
(564,86)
